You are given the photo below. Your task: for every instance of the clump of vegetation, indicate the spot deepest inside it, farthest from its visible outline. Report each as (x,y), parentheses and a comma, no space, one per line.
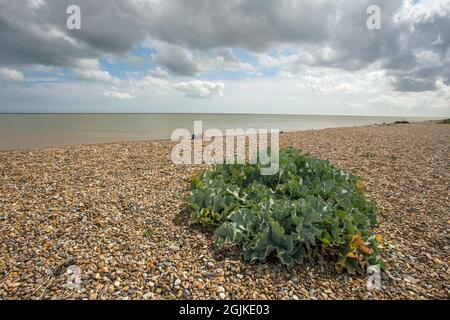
(401,122)
(308,208)
(393,157)
(148,233)
(445,121)
(368,155)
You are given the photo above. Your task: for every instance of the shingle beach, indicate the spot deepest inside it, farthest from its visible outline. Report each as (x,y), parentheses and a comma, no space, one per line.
(92,207)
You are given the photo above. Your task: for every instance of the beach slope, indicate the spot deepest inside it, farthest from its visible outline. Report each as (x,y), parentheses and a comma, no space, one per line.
(115,212)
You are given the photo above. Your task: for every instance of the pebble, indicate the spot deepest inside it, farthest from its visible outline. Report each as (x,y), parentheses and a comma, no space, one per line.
(174,248)
(148,295)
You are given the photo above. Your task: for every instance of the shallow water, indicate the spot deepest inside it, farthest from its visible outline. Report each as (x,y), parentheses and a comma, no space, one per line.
(24,131)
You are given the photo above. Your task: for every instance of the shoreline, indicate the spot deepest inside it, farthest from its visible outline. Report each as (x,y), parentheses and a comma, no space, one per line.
(66,146)
(91,206)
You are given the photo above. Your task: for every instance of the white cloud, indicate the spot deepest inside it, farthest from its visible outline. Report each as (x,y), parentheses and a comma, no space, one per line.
(118,95)
(89,70)
(159,73)
(414,11)
(150,82)
(330,81)
(11,74)
(96,75)
(200,89)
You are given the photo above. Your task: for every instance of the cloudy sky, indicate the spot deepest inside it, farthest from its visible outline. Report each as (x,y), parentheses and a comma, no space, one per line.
(249,56)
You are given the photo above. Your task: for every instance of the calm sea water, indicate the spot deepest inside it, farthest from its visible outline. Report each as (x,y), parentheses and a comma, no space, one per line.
(24,131)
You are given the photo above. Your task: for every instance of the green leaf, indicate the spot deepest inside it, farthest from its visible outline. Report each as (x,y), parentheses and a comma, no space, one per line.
(309,204)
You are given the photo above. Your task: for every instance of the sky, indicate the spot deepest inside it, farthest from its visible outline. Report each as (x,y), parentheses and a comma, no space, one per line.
(234,56)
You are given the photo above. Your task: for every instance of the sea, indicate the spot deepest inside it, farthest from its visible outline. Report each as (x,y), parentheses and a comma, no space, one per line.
(31,131)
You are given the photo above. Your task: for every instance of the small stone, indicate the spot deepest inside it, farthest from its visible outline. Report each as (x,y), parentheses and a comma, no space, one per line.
(411,280)
(222,295)
(177,282)
(148,295)
(174,248)
(198,284)
(220,289)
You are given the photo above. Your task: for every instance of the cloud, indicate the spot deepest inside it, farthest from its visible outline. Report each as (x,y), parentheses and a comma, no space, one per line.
(176,59)
(226,60)
(11,74)
(118,95)
(95,75)
(151,81)
(159,73)
(184,62)
(189,36)
(200,89)
(253,25)
(89,70)
(322,33)
(37,33)
(208,39)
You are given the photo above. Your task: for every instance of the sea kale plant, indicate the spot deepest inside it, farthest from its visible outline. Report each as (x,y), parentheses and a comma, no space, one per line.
(308,208)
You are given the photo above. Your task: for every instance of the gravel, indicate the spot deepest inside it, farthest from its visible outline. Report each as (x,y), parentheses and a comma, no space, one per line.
(73,222)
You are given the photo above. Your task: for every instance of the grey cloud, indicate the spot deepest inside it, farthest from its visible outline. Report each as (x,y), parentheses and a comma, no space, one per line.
(253,25)
(408,84)
(176,59)
(38,35)
(312,25)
